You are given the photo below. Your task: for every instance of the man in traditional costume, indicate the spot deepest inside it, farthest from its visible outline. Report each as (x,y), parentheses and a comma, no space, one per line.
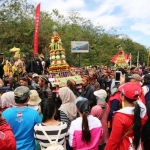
(18,67)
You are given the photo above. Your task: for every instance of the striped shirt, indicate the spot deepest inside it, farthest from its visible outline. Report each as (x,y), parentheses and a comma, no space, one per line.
(52,132)
(64,118)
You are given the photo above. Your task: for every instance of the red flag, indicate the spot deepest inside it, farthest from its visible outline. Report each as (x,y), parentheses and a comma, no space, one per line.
(36,30)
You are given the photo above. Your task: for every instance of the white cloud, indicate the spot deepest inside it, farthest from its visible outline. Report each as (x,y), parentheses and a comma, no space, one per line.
(134,15)
(143,27)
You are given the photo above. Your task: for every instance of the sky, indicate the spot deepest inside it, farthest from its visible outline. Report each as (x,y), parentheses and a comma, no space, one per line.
(129,17)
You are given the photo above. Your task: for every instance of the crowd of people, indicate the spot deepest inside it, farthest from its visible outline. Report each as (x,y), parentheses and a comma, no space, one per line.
(105,114)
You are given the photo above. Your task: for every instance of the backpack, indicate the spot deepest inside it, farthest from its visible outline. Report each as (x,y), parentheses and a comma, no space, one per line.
(53,144)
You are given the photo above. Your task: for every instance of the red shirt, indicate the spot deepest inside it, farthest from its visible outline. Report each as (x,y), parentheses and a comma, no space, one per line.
(7,139)
(122,123)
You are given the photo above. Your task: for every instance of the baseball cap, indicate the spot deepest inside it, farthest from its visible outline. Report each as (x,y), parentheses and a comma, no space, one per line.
(131,90)
(101,93)
(35,75)
(21,93)
(136,77)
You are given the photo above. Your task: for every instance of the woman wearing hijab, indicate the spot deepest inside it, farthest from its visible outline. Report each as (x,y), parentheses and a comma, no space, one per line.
(85,131)
(7,100)
(101,111)
(68,108)
(128,121)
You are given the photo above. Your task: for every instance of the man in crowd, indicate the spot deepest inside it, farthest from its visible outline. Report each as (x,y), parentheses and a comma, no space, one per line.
(36,65)
(27,63)
(20,120)
(35,79)
(24,82)
(88,90)
(93,80)
(13,83)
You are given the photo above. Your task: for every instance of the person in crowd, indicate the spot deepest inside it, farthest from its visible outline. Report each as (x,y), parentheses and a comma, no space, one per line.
(36,65)
(134,70)
(2,62)
(35,79)
(18,68)
(7,100)
(6,80)
(26,75)
(13,83)
(34,100)
(135,78)
(67,109)
(146,128)
(49,125)
(20,120)
(145,137)
(101,111)
(27,63)
(11,61)
(103,83)
(47,62)
(86,130)
(7,139)
(34,103)
(46,87)
(93,80)
(24,82)
(72,86)
(146,87)
(88,90)
(43,64)
(1,83)
(127,122)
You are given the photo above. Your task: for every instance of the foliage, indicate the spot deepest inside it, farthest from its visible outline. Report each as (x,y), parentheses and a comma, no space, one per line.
(17,28)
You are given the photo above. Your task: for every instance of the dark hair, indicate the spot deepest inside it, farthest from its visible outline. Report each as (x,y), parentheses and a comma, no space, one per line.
(72,87)
(86,135)
(24,79)
(132,68)
(44,78)
(137,123)
(47,108)
(146,79)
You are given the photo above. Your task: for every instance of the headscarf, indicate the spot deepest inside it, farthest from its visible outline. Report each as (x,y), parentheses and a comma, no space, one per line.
(68,102)
(7,100)
(96,111)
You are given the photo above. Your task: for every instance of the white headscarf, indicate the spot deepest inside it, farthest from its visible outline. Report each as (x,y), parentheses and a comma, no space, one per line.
(68,105)
(7,100)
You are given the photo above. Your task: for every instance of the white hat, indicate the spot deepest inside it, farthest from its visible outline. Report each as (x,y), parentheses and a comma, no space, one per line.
(34,98)
(35,75)
(101,93)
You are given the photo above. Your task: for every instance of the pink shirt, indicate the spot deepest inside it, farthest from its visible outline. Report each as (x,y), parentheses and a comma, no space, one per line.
(75,134)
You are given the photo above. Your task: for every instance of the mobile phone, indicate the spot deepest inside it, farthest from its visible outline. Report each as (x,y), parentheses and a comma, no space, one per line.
(117,76)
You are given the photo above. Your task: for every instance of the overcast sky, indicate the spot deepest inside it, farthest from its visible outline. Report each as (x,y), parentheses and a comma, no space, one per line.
(130,17)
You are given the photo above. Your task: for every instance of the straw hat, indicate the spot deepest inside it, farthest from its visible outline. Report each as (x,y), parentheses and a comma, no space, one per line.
(34,98)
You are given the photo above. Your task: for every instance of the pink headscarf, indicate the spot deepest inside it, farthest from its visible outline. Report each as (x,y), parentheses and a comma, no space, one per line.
(7,100)
(96,111)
